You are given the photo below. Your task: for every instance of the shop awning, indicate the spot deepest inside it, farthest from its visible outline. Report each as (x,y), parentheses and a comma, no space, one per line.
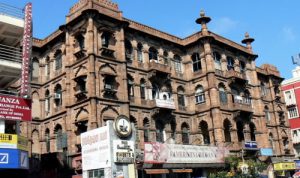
(157,171)
(182,170)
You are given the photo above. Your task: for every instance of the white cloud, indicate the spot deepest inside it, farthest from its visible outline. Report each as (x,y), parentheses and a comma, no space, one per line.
(288,34)
(223,25)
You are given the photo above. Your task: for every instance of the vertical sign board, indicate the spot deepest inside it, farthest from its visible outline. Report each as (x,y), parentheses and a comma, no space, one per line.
(95,149)
(27,42)
(15,108)
(13,159)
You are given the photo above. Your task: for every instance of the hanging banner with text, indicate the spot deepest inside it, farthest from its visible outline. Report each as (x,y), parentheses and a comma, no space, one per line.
(158,153)
(95,149)
(15,108)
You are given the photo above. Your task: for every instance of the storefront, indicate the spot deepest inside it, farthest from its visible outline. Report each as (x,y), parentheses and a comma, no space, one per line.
(172,160)
(284,169)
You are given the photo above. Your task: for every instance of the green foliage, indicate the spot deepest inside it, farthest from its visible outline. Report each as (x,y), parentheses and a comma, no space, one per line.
(232,171)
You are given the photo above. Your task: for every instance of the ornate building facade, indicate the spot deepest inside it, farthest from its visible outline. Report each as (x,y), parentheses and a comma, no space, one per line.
(201,90)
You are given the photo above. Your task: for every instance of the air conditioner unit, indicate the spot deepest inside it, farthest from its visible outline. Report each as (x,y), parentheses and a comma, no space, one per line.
(56,96)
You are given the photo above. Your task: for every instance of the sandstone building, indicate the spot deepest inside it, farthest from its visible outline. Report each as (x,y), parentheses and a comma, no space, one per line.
(203,89)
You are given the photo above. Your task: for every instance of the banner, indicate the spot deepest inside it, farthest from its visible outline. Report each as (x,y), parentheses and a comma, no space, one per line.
(13,159)
(95,149)
(266,152)
(284,166)
(15,108)
(13,141)
(157,153)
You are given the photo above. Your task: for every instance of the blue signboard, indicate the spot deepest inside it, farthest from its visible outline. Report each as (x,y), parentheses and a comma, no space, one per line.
(266,152)
(13,159)
(251,144)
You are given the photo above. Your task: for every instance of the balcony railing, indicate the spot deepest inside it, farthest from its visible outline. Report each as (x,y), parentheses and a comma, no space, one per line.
(169,104)
(159,67)
(242,103)
(11,11)
(9,53)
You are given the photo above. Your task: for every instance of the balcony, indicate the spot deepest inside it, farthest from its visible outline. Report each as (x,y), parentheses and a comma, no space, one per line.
(242,104)
(106,52)
(167,104)
(159,67)
(236,76)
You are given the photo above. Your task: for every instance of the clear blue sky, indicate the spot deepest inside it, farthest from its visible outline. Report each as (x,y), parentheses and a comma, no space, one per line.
(274,24)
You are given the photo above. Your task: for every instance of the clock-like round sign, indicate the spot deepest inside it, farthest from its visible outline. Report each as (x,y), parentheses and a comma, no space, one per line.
(122,126)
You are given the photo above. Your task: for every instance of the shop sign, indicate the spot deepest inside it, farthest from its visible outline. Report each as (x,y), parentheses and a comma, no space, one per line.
(155,152)
(266,152)
(13,159)
(297,164)
(13,141)
(284,166)
(123,151)
(15,108)
(250,145)
(95,149)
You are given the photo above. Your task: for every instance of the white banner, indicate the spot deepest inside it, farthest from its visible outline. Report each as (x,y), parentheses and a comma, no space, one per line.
(173,153)
(95,149)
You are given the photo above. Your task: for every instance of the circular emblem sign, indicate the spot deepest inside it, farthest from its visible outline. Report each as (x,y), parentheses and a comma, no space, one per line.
(122,126)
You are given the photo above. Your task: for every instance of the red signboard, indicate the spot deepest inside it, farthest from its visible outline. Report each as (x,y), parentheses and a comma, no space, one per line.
(27,40)
(14,108)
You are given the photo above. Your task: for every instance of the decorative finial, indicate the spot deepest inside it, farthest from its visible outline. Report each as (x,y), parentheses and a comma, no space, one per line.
(248,40)
(247,35)
(202,13)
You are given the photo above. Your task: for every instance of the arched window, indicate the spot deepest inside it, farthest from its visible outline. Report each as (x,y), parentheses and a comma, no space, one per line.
(199,95)
(160,133)
(252,131)
(58,95)
(80,41)
(47,102)
(177,64)
(267,114)
(230,63)
(263,89)
(140,52)
(143,88)
(240,131)
(222,94)
(35,147)
(196,62)
(47,140)
(130,84)
(146,125)
(204,132)
(227,127)
(105,38)
(242,66)
(155,92)
(217,60)
(185,133)
(47,67)
(58,59)
(128,50)
(166,60)
(134,122)
(35,69)
(247,97)
(271,141)
(59,137)
(153,54)
(180,96)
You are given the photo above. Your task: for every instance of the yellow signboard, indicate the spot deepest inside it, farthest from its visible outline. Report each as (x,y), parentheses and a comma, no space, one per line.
(284,166)
(8,139)
(13,141)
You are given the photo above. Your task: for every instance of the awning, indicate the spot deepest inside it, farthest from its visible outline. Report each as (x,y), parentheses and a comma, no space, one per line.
(182,170)
(157,171)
